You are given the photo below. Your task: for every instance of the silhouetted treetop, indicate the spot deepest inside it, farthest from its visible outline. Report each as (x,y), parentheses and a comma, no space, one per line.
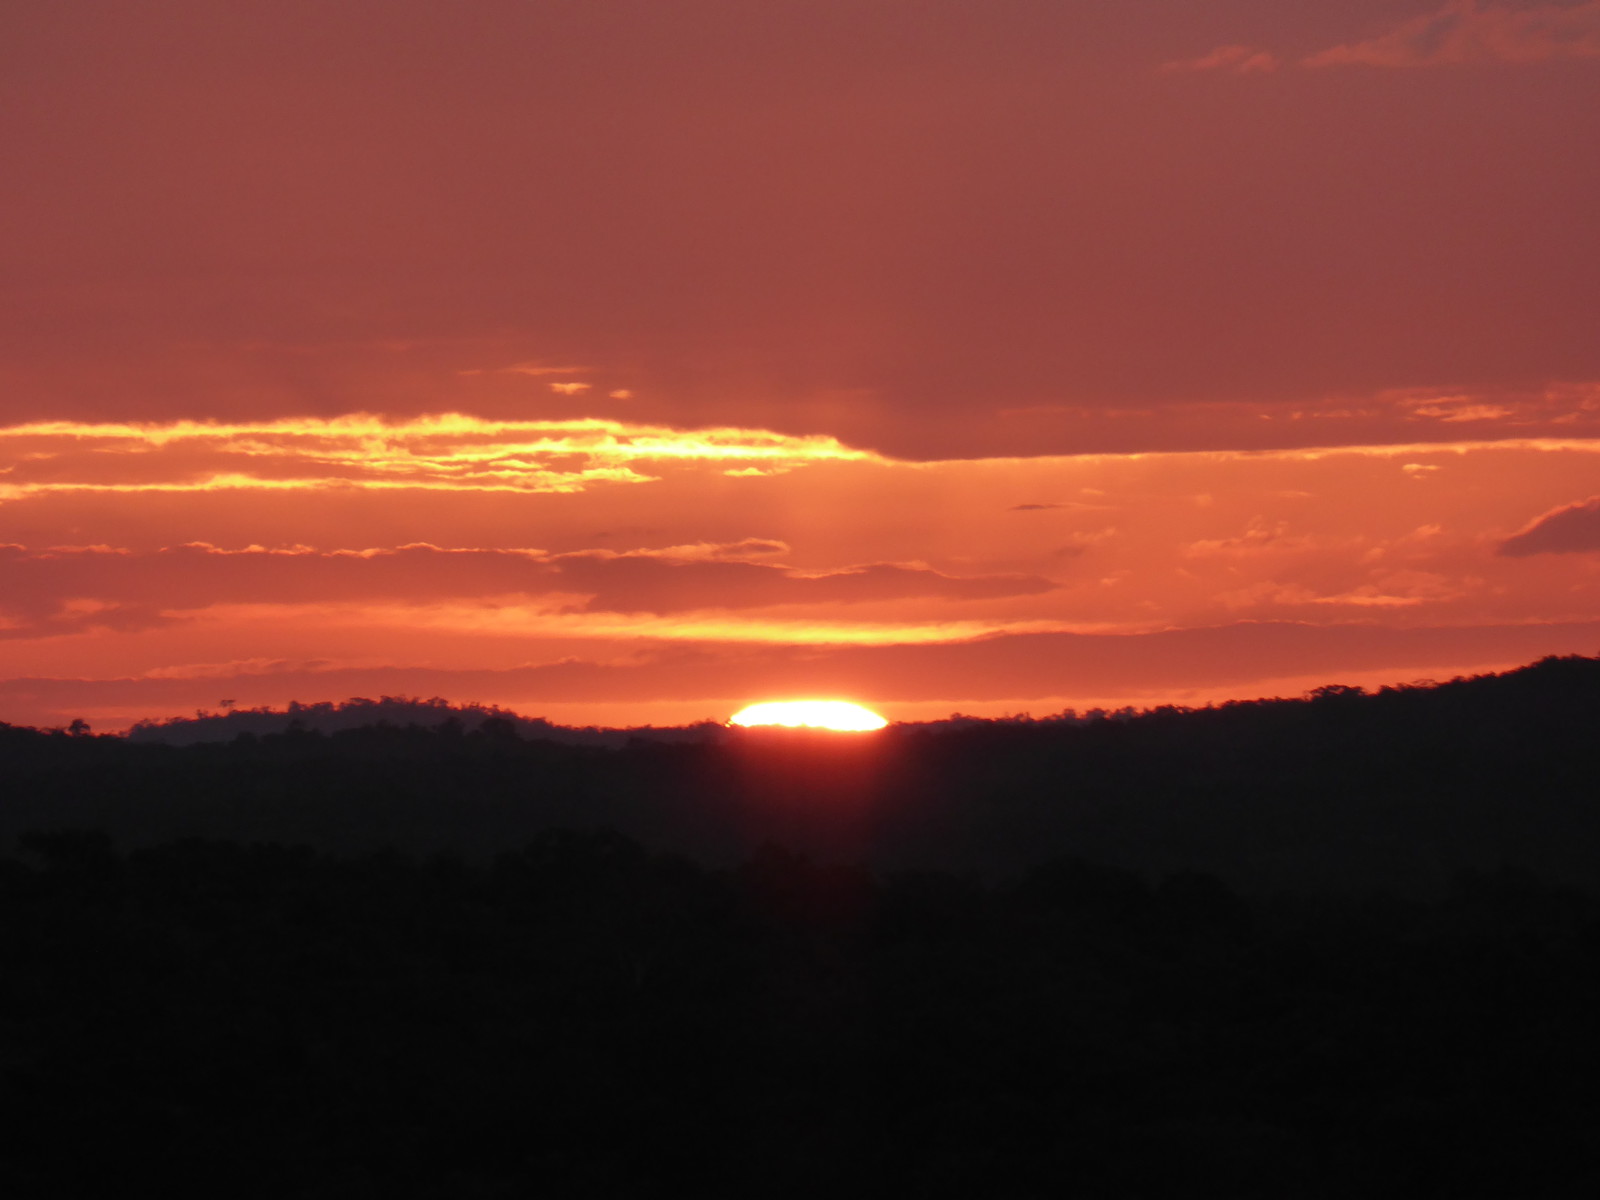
(1341,788)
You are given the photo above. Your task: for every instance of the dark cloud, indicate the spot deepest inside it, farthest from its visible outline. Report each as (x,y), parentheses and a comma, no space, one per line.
(656,585)
(810,216)
(1031,507)
(67,590)
(1569,530)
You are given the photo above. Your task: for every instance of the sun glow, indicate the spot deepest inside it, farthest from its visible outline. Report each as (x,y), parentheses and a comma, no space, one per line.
(811,714)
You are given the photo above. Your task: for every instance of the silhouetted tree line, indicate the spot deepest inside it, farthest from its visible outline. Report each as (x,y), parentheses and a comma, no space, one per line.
(1394,790)
(337,716)
(583,1017)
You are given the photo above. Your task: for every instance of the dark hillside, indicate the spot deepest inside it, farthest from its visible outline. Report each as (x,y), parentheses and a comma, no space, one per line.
(1397,789)
(331,717)
(1358,954)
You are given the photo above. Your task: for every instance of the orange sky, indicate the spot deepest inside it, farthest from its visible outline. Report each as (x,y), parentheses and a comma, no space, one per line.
(629,362)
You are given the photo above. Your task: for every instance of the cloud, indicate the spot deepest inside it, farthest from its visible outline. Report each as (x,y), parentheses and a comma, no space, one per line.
(1459,33)
(448,452)
(1257,538)
(745,548)
(60,591)
(649,583)
(1569,530)
(1241,60)
(1462,33)
(762,221)
(1391,590)
(1465,412)
(1454,409)
(531,368)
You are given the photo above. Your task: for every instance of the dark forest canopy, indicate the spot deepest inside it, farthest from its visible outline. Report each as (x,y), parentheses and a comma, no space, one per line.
(581,1017)
(1341,788)
(334,717)
(1346,944)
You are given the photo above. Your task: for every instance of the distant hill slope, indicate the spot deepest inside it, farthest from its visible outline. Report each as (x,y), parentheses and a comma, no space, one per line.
(333,717)
(1397,789)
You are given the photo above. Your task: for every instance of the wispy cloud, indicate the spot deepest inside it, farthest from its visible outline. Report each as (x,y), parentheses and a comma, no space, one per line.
(1461,32)
(526,368)
(1241,60)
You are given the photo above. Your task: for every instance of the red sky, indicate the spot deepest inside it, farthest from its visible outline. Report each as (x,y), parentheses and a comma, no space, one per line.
(626,361)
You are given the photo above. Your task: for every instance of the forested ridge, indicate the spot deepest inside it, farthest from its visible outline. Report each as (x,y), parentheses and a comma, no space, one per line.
(1344,944)
(1344,790)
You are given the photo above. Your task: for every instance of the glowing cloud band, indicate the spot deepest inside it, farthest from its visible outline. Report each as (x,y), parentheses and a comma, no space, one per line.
(449,452)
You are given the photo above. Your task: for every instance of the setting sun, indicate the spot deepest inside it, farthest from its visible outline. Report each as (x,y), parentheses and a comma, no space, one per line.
(811,714)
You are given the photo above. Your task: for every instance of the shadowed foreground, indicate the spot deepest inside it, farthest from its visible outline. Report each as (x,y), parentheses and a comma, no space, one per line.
(581,1017)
